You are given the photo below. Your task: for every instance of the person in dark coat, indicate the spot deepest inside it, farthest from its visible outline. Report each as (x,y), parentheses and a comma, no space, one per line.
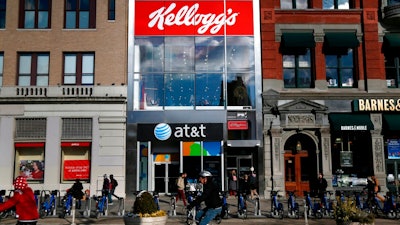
(321,186)
(77,193)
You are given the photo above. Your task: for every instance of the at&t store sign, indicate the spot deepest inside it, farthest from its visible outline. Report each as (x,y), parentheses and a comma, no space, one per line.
(180,132)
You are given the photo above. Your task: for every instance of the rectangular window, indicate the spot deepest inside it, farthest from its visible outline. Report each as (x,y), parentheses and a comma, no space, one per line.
(340,69)
(297,71)
(75,162)
(29,161)
(80,14)
(111,9)
(35,14)
(2,14)
(336,4)
(294,4)
(33,69)
(392,69)
(1,68)
(78,68)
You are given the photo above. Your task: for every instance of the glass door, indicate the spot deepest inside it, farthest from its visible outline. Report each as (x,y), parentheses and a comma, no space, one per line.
(165,175)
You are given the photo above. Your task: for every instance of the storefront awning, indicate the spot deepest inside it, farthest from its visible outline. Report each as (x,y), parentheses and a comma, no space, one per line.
(391,121)
(341,39)
(350,122)
(393,39)
(298,40)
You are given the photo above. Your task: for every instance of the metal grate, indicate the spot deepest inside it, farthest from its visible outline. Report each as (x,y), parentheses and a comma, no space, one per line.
(30,128)
(77,128)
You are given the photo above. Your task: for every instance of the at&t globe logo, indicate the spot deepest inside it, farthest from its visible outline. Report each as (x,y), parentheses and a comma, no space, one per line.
(162,131)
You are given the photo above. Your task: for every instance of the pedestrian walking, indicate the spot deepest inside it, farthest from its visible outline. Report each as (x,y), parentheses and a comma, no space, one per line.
(113,185)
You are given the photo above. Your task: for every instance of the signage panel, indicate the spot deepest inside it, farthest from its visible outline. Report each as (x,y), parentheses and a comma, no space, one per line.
(376,105)
(163,18)
(393,146)
(180,132)
(238,125)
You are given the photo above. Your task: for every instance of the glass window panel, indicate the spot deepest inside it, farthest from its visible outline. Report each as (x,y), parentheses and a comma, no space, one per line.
(332,77)
(42,81)
(240,89)
(2,4)
(347,60)
(286,4)
(209,90)
(84,5)
(43,21)
(25,64)
(71,5)
(179,90)
(240,53)
(111,15)
(289,78)
(179,54)
(43,64)
(331,61)
(43,5)
(289,61)
(70,20)
(301,4)
(2,19)
(1,63)
(305,60)
(70,79)
(304,78)
(328,4)
(70,64)
(343,4)
(87,63)
(87,79)
(209,54)
(83,20)
(29,19)
(152,89)
(389,62)
(150,51)
(29,4)
(347,77)
(24,80)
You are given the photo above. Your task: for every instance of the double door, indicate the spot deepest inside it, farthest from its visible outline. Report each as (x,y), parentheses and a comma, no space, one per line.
(297,177)
(165,175)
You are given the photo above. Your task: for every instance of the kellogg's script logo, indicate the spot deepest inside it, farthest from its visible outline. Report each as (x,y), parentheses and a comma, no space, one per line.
(188,16)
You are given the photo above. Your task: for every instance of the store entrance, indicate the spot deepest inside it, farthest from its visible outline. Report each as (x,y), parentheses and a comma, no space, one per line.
(165,175)
(294,181)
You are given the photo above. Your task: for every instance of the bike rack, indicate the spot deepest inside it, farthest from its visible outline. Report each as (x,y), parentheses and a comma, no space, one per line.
(172,203)
(305,212)
(121,206)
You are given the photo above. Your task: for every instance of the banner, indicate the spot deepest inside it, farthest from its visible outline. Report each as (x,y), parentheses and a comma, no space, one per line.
(76,169)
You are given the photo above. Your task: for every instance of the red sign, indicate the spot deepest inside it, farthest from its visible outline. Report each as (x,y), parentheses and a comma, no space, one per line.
(75,144)
(193,17)
(238,125)
(76,169)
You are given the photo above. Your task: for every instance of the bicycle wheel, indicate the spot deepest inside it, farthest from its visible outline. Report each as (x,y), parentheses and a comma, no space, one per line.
(3,215)
(42,213)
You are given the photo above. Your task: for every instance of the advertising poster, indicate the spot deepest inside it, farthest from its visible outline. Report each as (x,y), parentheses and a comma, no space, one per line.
(76,169)
(346,159)
(31,169)
(393,147)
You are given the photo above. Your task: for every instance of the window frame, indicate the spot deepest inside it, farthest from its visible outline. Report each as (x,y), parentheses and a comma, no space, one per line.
(36,11)
(1,68)
(33,74)
(296,52)
(339,68)
(396,67)
(336,5)
(3,10)
(294,4)
(111,10)
(91,17)
(79,66)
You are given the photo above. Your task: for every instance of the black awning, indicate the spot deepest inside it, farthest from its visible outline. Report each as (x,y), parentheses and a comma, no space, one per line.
(350,122)
(341,39)
(298,40)
(392,39)
(391,121)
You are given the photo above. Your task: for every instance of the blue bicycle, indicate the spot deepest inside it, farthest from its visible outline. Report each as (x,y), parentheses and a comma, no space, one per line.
(327,205)
(276,206)
(4,198)
(67,205)
(387,208)
(242,206)
(48,205)
(101,204)
(313,209)
(225,205)
(293,206)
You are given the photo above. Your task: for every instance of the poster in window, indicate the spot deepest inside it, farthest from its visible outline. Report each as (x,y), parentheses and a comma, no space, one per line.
(346,159)
(76,169)
(393,146)
(31,169)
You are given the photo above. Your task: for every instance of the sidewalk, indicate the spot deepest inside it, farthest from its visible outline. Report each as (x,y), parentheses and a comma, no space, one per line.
(114,219)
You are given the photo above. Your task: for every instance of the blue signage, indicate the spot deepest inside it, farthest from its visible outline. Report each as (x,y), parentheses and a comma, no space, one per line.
(393,147)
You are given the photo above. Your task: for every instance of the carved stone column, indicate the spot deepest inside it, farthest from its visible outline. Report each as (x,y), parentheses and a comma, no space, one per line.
(378,150)
(326,154)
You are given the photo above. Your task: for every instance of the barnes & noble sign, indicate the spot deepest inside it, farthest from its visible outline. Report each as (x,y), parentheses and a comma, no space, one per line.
(376,105)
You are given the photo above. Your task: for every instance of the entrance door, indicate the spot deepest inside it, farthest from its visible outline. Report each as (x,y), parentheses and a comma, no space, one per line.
(165,175)
(296,174)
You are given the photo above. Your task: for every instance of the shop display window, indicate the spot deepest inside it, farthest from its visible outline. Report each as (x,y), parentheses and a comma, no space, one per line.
(29,161)
(75,159)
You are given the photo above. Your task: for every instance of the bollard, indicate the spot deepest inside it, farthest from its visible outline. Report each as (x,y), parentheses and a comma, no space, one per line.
(73,212)
(305,212)
(257,208)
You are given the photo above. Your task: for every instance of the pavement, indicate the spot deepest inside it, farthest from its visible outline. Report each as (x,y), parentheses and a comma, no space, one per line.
(115,215)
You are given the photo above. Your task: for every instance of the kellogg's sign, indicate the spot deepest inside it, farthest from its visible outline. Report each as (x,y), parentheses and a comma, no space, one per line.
(193,17)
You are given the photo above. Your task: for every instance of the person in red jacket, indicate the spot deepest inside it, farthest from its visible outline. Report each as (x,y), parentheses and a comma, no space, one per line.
(24,202)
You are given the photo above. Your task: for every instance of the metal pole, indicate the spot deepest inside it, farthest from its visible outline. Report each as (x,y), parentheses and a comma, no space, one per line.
(73,212)
(305,213)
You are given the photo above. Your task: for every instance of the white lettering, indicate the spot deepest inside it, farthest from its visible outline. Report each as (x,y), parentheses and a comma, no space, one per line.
(188,16)
(190,132)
